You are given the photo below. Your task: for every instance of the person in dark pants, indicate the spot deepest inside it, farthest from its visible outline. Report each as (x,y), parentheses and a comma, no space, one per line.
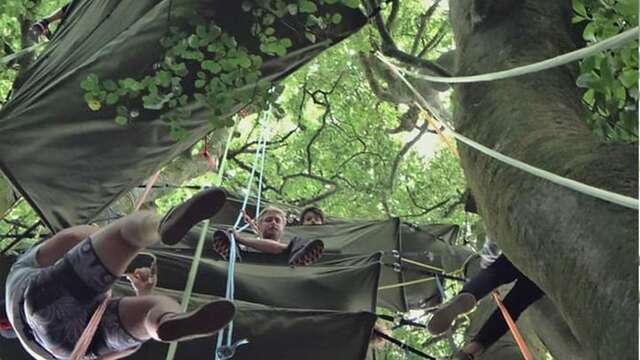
(498,271)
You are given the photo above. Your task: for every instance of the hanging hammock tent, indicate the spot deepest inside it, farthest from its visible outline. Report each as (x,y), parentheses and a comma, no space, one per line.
(69,162)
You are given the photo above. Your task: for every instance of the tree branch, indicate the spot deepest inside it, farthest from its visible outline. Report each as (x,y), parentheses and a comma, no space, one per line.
(390,49)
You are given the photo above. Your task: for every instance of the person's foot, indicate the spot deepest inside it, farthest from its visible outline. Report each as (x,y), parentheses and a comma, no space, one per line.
(202,322)
(179,220)
(443,317)
(305,252)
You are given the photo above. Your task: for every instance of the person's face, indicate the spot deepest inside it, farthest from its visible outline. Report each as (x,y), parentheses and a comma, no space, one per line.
(271,226)
(311,218)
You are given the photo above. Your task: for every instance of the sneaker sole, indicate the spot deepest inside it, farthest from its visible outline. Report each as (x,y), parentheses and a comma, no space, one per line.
(315,250)
(442,318)
(203,322)
(202,206)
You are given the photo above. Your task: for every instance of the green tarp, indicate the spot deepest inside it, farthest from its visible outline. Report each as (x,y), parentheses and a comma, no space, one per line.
(70,162)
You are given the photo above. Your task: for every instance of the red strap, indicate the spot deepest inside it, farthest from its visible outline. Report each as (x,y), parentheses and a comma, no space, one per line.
(84,341)
(514,329)
(211,164)
(5,325)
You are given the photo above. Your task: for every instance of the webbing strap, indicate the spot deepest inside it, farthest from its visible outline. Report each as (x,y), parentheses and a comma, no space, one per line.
(512,326)
(609,196)
(406,283)
(610,43)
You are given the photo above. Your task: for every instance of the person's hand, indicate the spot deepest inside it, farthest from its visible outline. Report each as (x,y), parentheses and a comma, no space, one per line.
(251,222)
(143,280)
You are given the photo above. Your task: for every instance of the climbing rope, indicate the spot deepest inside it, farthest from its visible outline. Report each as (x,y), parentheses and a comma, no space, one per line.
(607,44)
(224,352)
(193,272)
(609,196)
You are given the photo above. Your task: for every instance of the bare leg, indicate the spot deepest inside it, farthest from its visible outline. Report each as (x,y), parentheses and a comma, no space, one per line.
(118,243)
(160,318)
(141,315)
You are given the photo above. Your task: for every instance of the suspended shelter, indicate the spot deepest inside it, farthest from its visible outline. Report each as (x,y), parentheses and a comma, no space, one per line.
(71,163)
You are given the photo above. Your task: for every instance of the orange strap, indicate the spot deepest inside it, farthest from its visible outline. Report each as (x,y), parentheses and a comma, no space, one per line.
(152,180)
(431,122)
(512,326)
(85,339)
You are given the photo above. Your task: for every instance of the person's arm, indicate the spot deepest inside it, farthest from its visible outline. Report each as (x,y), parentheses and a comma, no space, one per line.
(53,249)
(264,245)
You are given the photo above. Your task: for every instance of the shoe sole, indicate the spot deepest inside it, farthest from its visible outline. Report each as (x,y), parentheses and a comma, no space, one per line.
(200,207)
(442,318)
(315,249)
(203,322)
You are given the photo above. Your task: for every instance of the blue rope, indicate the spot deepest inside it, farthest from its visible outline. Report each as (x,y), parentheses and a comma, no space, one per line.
(230,289)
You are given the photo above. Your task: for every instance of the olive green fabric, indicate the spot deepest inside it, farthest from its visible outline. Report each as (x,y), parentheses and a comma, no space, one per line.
(70,162)
(273,332)
(349,284)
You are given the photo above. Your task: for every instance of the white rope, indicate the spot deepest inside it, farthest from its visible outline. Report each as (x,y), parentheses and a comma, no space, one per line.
(610,43)
(609,196)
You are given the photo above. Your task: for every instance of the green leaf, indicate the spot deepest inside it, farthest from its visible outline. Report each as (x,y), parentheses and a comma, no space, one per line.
(121,120)
(579,8)
(306,6)
(354,4)
(310,36)
(589,32)
(629,78)
(269,31)
(292,9)
(588,80)
(111,99)
(336,18)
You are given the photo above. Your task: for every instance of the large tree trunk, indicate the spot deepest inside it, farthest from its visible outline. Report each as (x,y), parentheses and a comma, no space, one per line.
(581,251)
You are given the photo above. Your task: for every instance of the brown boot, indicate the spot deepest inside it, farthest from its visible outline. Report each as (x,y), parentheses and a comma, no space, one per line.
(447,313)
(181,219)
(202,322)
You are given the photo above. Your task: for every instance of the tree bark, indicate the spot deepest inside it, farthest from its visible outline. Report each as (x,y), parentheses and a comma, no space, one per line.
(580,250)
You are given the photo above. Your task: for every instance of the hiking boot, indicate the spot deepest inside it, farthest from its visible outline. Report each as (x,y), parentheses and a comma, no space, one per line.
(178,221)
(303,252)
(202,322)
(447,313)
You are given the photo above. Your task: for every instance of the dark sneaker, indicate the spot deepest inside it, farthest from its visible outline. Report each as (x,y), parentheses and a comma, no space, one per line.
(303,252)
(180,219)
(447,313)
(142,260)
(202,322)
(222,244)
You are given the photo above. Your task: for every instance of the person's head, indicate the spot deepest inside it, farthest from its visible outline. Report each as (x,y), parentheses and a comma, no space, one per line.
(312,216)
(6,330)
(271,223)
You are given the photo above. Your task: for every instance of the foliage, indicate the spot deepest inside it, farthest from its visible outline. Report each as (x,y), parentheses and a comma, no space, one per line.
(611,77)
(330,143)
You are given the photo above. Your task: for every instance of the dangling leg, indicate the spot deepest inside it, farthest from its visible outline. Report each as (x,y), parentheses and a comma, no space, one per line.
(160,318)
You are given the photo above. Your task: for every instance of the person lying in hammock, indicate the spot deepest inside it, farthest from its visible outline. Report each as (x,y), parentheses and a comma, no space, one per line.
(312,216)
(270,227)
(41,27)
(497,270)
(54,288)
